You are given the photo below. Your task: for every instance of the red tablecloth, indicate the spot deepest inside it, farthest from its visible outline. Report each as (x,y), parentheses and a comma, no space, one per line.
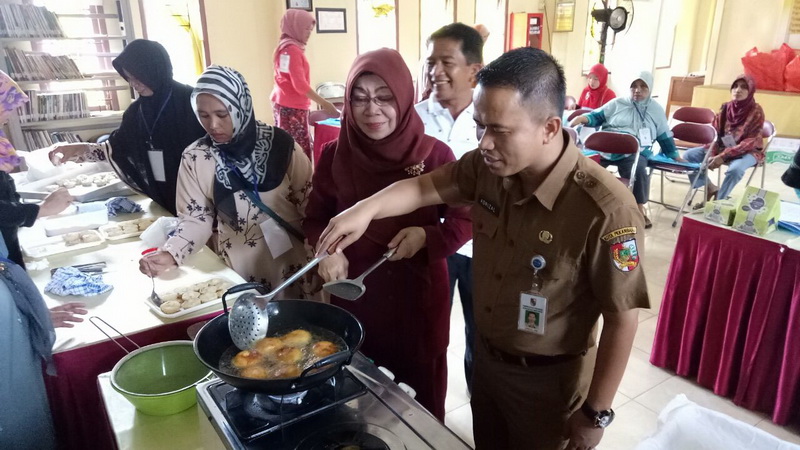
(322,135)
(78,413)
(730,318)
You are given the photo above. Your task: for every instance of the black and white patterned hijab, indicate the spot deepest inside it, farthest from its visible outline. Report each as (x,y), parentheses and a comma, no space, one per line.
(245,151)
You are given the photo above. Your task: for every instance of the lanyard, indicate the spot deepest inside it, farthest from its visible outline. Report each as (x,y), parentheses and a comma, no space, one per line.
(238,172)
(158,116)
(641,115)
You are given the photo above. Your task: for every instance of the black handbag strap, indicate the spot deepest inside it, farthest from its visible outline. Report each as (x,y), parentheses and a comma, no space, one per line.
(266,209)
(254,198)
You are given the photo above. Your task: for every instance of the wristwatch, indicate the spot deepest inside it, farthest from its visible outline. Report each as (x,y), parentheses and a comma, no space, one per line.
(601,419)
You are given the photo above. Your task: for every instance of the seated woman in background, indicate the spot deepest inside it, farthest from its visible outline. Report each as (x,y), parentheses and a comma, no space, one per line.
(145,150)
(642,117)
(596,93)
(739,143)
(406,309)
(14,213)
(251,178)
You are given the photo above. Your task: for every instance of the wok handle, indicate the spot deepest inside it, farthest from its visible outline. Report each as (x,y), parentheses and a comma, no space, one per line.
(336,358)
(239,288)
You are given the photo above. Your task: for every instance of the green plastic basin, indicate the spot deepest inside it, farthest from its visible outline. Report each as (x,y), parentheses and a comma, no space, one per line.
(160,379)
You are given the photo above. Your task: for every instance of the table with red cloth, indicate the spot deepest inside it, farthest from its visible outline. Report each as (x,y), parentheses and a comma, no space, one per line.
(324,132)
(75,403)
(730,317)
(83,352)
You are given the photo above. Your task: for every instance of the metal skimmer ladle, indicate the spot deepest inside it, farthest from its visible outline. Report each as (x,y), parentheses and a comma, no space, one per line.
(248,320)
(353,289)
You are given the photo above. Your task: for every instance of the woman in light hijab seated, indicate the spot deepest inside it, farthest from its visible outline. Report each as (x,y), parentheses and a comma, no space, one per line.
(596,93)
(406,308)
(739,143)
(642,117)
(249,177)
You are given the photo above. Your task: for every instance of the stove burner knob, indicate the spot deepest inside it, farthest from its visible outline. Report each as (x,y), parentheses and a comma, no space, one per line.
(408,390)
(386,372)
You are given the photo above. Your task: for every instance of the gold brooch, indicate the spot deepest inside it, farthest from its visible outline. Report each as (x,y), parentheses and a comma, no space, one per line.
(416,169)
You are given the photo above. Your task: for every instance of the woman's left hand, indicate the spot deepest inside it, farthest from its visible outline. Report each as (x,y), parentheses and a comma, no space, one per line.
(408,242)
(63,316)
(679,159)
(715,162)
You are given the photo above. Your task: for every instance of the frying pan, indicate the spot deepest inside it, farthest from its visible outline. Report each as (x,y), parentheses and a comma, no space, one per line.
(284,316)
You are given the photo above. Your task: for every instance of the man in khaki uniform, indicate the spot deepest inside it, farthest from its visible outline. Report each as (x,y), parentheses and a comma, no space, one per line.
(554,235)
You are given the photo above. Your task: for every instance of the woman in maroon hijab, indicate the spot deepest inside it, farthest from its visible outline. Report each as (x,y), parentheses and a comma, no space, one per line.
(739,143)
(596,93)
(406,308)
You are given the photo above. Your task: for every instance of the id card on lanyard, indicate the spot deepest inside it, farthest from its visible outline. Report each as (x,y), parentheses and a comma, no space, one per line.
(644,134)
(532,317)
(155,155)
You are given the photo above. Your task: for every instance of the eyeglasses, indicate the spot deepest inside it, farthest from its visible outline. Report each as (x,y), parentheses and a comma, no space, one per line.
(361,101)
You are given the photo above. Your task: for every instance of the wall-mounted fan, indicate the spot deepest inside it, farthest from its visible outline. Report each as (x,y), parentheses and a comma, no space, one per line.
(616,18)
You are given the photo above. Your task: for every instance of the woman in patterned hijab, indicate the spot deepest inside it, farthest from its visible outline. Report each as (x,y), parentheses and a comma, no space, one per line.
(247,176)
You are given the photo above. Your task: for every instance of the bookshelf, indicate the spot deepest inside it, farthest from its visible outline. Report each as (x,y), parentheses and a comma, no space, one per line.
(61,54)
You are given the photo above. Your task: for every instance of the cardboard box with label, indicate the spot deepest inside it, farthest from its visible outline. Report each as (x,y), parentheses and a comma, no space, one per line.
(758,211)
(720,211)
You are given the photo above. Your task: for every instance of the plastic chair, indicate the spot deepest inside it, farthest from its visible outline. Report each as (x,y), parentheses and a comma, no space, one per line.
(767,132)
(572,135)
(578,112)
(617,143)
(694,114)
(695,135)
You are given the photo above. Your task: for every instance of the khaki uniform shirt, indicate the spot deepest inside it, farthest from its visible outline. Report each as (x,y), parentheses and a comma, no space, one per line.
(581,219)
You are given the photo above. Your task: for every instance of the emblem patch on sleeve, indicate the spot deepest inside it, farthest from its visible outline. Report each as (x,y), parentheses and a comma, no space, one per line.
(625,255)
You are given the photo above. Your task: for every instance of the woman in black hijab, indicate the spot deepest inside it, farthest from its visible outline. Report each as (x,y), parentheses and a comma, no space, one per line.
(146,149)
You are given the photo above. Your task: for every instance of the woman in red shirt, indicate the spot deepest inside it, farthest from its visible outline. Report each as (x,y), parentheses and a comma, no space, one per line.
(292,95)
(406,308)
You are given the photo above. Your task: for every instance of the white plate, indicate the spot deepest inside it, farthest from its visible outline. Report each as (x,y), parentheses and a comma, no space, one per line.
(104,231)
(157,310)
(55,245)
(36,189)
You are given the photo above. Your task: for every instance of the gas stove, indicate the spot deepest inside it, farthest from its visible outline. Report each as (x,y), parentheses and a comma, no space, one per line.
(359,408)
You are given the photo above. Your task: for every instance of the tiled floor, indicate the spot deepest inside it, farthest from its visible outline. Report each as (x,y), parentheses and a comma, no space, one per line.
(645,389)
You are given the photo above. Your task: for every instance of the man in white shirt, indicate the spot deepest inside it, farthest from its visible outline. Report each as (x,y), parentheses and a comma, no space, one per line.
(455,55)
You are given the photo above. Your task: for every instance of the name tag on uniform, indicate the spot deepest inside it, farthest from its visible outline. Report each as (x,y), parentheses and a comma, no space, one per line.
(278,240)
(645,138)
(283,63)
(728,141)
(156,158)
(532,312)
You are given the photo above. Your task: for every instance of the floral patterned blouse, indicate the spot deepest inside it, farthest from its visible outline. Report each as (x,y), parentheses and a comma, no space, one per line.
(240,240)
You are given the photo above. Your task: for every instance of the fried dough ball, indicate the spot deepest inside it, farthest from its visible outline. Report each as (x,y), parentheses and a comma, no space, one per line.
(269,346)
(297,338)
(289,354)
(246,358)
(258,372)
(170,307)
(285,371)
(324,348)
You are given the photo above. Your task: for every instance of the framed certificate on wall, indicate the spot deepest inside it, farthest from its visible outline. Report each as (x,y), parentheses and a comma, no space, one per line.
(331,20)
(299,4)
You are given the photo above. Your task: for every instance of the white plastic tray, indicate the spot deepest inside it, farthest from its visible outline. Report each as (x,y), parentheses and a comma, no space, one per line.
(36,189)
(183,283)
(55,245)
(104,231)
